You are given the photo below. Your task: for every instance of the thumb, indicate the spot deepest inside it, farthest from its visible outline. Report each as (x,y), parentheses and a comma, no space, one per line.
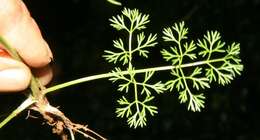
(14,75)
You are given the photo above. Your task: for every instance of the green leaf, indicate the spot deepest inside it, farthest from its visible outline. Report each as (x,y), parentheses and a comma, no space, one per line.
(150,108)
(115,2)
(137,19)
(172,55)
(193,64)
(143,46)
(189,48)
(123,101)
(196,102)
(183,96)
(221,63)
(211,75)
(168,35)
(177,81)
(134,110)
(124,111)
(158,87)
(211,43)
(179,29)
(198,81)
(118,76)
(234,49)
(118,22)
(137,119)
(121,56)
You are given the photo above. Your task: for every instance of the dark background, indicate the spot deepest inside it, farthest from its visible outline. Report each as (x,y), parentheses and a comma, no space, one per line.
(78,31)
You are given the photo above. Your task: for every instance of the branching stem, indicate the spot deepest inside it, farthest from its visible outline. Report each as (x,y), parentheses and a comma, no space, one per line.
(108,75)
(180,68)
(136,96)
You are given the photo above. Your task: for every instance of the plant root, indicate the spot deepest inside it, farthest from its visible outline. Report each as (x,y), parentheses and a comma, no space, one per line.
(61,125)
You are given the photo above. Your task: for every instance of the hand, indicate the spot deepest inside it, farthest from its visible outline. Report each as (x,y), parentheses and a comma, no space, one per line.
(20,31)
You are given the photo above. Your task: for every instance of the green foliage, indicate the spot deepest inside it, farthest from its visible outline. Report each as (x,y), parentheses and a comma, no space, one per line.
(194,65)
(137,22)
(223,67)
(134,109)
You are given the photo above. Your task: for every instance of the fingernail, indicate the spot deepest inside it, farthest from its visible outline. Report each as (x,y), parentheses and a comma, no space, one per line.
(49,50)
(52,61)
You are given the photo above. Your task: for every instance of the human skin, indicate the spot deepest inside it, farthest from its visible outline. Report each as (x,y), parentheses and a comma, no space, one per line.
(20,30)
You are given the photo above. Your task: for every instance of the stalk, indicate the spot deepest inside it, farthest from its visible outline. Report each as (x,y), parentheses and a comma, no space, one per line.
(108,75)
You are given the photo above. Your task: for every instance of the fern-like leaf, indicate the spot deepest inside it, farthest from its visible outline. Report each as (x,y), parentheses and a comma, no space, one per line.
(221,63)
(193,64)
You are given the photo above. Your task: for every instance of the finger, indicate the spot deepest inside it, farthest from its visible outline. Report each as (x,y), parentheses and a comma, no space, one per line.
(44,74)
(22,33)
(14,75)
(3,53)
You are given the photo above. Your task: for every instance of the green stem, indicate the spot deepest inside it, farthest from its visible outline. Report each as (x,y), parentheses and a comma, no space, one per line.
(115,2)
(29,101)
(77,81)
(182,73)
(10,49)
(136,97)
(35,86)
(130,48)
(131,65)
(210,49)
(107,75)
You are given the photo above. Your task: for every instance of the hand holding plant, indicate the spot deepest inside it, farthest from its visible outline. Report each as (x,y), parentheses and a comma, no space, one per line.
(193,65)
(22,33)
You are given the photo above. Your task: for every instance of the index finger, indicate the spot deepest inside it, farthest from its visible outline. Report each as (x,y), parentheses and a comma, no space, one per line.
(22,33)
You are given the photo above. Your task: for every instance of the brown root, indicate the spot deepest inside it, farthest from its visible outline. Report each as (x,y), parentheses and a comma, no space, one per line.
(60,124)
